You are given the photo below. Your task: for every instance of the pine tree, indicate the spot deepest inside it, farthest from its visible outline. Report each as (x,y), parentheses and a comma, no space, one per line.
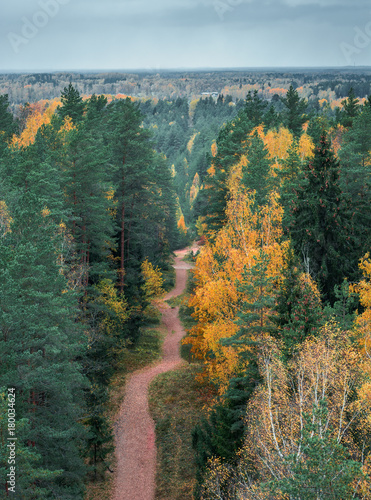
(7,123)
(39,343)
(28,473)
(355,176)
(89,192)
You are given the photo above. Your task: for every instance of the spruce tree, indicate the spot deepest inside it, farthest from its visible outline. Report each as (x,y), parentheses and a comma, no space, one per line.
(298,307)
(295,111)
(319,223)
(351,108)
(230,147)
(72,104)
(355,176)
(256,175)
(255,108)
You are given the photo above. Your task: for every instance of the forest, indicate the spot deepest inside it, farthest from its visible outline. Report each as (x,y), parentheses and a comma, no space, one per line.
(273,182)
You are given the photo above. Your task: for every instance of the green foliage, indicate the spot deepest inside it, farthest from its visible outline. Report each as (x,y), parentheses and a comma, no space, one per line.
(255,108)
(351,108)
(256,176)
(40,343)
(320,224)
(343,310)
(294,116)
(298,307)
(72,104)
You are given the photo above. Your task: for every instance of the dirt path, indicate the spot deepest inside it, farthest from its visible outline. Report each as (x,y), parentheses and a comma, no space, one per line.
(134,428)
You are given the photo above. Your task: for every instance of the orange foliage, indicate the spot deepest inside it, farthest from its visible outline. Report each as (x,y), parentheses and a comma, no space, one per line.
(181,225)
(219,265)
(214,149)
(363,288)
(41,113)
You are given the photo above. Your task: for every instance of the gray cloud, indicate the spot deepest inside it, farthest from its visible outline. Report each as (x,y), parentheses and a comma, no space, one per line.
(178,33)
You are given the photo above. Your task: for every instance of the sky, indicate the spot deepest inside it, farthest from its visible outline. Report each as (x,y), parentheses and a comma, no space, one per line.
(52,35)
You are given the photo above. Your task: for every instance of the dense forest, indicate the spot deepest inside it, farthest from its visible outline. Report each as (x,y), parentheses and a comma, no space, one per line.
(96,191)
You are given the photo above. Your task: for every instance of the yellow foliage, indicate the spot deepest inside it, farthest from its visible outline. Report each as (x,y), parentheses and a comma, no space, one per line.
(45,212)
(214,149)
(191,141)
(181,225)
(278,143)
(115,307)
(5,219)
(153,281)
(40,115)
(363,288)
(192,107)
(305,147)
(220,264)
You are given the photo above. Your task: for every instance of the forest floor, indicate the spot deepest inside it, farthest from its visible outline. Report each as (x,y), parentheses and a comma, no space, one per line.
(134,427)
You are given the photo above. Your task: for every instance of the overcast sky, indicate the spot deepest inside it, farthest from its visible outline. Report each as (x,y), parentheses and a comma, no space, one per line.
(153,34)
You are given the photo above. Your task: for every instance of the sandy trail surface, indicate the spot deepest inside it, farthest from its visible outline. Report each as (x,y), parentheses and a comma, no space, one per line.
(134,427)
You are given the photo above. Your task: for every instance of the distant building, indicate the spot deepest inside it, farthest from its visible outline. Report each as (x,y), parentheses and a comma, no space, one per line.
(215,95)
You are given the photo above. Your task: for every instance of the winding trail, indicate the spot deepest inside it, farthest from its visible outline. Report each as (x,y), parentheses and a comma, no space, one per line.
(134,428)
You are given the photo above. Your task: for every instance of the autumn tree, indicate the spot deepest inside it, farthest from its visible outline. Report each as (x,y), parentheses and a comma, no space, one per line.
(301,425)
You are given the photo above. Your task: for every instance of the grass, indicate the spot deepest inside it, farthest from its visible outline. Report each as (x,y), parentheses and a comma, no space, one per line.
(146,352)
(176,404)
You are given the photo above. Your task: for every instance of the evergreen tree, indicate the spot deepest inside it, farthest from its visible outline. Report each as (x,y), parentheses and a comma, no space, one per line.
(28,474)
(7,122)
(256,176)
(298,307)
(230,147)
(355,176)
(294,115)
(255,108)
(318,222)
(351,108)
(291,177)
(343,310)
(72,104)
(89,192)
(40,342)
